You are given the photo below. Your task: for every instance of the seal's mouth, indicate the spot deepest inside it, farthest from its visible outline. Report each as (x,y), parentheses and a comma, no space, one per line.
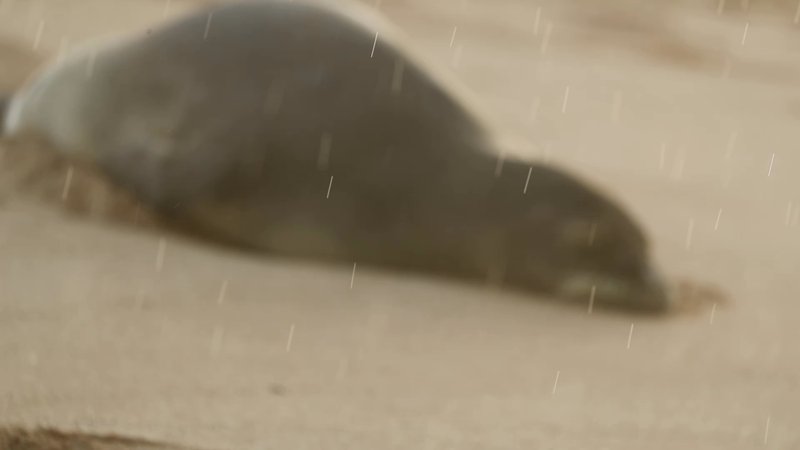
(649,293)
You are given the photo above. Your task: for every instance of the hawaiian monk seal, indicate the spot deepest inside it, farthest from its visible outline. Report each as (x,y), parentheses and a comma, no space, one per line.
(311,130)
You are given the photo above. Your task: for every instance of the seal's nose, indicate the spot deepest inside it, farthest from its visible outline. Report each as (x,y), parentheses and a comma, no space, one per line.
(656,295)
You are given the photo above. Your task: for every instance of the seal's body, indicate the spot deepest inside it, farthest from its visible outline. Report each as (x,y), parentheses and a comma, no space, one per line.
(310,130)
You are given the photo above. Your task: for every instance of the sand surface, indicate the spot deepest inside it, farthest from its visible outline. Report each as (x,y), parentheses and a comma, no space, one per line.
(689,116)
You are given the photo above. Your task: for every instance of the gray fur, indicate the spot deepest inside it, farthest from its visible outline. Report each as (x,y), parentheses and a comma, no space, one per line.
(239,127)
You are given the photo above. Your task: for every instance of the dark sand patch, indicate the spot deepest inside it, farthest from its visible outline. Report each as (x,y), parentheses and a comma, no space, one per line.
(48,439)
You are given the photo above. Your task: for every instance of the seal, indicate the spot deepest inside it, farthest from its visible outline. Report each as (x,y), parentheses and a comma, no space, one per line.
(312,130)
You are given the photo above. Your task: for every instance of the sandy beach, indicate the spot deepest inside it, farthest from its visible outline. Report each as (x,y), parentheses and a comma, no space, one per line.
(687,113)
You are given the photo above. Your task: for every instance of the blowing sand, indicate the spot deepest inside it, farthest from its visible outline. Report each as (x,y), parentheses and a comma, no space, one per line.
(688,116)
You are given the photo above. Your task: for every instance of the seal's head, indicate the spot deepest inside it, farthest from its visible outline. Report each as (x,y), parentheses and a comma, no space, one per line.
(573,242)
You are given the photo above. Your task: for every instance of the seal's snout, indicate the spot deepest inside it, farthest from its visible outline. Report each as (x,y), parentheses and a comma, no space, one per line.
(647,293)
(655,294)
